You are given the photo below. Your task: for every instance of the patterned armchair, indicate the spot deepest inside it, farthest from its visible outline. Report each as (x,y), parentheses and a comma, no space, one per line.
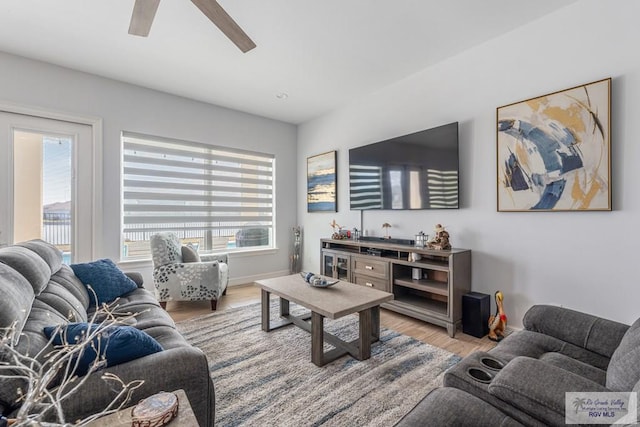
(175,280)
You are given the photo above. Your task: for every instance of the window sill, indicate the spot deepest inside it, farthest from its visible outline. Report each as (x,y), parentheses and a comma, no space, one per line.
(239,253)
(130,264)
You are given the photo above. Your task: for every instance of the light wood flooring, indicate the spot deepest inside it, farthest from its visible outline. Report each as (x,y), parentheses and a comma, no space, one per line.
(238,296)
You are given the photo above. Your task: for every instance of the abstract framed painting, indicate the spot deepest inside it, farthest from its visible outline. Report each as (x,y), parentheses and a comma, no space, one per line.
(321,183)
(554,151)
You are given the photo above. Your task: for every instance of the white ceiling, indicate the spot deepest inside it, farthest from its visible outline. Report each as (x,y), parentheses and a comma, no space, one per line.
(323,53)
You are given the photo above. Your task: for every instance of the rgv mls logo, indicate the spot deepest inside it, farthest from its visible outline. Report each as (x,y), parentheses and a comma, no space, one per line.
(601,408)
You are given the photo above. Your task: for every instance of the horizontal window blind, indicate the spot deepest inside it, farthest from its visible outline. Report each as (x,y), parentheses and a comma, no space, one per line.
(205,194)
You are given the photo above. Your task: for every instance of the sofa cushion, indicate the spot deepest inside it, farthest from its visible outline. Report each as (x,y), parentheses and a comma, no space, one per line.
(534,344)
(598,335)
(67,279)
(624,369)
(144,305)
(577,367)
(17,297)
(116,344)
(62,302)
(106,280)
(189,254)
(48,252)
(29,264)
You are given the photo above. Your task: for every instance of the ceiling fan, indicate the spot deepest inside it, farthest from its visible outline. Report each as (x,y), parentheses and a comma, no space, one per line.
(145,10)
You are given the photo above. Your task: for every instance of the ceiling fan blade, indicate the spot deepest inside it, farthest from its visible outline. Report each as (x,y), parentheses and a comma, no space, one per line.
(142,17)
(225,23)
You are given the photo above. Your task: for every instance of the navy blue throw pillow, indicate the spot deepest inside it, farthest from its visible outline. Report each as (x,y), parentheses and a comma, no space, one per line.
(105,278)
(116,344)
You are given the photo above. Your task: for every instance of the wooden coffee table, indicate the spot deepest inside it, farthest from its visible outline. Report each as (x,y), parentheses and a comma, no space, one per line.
(333,302)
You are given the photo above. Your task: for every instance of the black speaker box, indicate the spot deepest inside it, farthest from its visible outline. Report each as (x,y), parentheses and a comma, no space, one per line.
(476,307)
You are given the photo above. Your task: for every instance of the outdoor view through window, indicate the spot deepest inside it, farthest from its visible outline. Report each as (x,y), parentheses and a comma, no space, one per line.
(214,198)
(43,189)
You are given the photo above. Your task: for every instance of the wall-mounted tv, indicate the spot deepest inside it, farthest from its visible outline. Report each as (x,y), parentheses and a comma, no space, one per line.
(415,171)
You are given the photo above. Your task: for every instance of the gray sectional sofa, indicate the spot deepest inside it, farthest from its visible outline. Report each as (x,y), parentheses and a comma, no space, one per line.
(523,380)
(37,291)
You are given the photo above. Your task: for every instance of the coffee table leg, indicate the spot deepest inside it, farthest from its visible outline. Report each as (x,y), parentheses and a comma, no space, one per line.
(375,323)
(265,311)
(284,307)
(317,339)
(366,331)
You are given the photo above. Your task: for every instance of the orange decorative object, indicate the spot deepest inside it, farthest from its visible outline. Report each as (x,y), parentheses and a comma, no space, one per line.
(498,322)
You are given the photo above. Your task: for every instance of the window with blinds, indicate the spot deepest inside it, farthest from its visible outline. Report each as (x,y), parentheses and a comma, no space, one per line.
(216,198)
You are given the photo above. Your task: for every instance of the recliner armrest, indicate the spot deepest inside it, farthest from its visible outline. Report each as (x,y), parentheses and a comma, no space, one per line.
(136,277)
(183,367)
(215,257)
(199,266)
(593,333)
(450,407)
(538,388)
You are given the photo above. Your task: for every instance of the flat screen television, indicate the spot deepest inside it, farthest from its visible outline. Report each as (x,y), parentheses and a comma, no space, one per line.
(415,171)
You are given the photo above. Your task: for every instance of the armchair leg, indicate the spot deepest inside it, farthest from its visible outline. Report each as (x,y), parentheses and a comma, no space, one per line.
(163,304)
(214,304)
(225,291)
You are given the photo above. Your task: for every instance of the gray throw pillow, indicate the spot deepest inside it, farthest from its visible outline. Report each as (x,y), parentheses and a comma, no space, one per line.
(623,372)
(189,254)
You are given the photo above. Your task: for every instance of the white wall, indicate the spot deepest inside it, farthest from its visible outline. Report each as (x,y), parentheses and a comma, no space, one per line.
(27,176)
(132,108)
(582,260)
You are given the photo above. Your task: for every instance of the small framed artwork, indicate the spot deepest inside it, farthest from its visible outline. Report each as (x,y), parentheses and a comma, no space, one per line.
(321,183)
(554,151)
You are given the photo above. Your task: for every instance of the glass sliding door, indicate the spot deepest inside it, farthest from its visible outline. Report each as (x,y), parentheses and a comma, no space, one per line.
(43,195)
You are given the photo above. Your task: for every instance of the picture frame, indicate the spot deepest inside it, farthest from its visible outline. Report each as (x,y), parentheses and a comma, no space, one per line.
(554,151)
(322,182)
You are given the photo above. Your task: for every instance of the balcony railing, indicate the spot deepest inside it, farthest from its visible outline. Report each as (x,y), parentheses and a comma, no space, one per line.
(56,227)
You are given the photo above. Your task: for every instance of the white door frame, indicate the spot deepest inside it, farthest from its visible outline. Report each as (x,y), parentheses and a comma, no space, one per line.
(96,140)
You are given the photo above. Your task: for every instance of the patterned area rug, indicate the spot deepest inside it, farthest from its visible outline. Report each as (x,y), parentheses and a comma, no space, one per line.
(267,379)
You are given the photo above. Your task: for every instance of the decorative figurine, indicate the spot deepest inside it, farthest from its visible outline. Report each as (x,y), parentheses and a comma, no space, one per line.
(498,322)
(337,235)
(441,239)
(386,227)
(297,246)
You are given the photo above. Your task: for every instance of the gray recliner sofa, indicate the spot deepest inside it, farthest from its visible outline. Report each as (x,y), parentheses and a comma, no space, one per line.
(37,290)
(525,378)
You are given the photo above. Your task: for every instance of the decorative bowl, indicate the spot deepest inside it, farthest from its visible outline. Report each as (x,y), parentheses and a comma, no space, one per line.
(317,281)
(324,283)
(155,411)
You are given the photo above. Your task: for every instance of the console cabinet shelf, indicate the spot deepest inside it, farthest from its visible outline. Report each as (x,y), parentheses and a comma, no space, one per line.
(432,286)
(428,289)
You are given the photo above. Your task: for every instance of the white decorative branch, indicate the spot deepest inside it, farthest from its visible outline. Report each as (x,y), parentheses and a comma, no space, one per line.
(50,375)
